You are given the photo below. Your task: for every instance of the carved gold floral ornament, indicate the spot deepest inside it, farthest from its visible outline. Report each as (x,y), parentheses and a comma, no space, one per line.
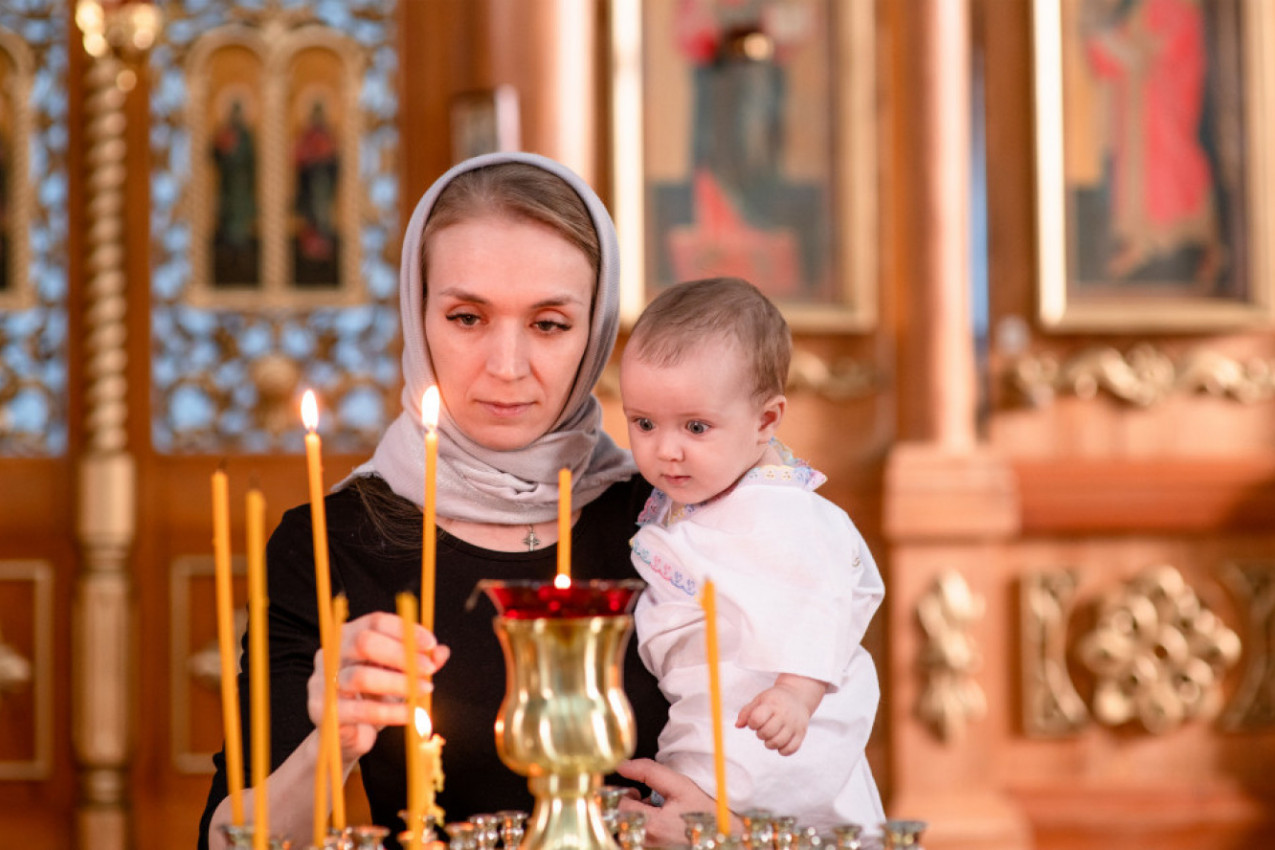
(951,697)
(1253,705)
(1051,706)
(1145,376)
(1157,652)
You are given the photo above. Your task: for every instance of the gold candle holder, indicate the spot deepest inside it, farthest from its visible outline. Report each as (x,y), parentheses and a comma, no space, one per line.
(565,721)
(899,834)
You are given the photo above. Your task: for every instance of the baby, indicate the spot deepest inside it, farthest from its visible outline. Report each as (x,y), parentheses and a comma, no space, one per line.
(702,378)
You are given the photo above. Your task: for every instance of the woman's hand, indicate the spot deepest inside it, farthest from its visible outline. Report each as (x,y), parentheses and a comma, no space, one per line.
(371,685)
(664,824)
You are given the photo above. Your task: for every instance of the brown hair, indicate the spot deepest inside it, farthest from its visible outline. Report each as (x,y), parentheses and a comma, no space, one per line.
(686,314)
(520,191)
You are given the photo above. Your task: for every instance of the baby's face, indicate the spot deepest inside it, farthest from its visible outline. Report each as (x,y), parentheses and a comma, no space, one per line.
(694,427)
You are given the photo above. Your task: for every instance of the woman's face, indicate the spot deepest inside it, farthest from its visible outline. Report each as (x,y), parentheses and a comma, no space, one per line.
(507,313)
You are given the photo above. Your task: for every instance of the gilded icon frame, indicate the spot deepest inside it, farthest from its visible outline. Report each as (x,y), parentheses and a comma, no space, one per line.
(823,282)
(1114,251)
(279,79)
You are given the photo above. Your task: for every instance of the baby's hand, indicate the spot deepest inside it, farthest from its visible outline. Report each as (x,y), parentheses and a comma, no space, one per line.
(780,718)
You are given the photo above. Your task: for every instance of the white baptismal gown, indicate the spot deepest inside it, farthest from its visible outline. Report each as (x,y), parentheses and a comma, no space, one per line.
(796,588)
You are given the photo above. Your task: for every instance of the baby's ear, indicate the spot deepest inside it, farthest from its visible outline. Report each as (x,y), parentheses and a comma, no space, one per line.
(772,413)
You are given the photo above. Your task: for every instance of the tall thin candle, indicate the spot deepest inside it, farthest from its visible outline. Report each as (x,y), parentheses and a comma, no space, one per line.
(430,403)
(323,592)
(321,779)
(340,610)
(318,514)
(430,762)
(328,763)
(226,641)
(407,614)
(708,600)
(260,666)
(563,578)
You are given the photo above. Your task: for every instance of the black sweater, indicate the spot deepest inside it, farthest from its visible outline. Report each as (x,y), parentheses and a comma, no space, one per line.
(470,687)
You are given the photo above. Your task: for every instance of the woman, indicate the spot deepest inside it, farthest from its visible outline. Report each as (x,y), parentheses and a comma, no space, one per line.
(509,298)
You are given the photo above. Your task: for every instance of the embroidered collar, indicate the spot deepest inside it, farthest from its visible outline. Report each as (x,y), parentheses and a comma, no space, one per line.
(791,472)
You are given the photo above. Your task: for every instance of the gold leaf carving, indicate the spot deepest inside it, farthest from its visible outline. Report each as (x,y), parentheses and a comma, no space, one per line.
(1157,652)
(1253,705)
(842,379)
(1051,706)
(951,697)
(1145,376)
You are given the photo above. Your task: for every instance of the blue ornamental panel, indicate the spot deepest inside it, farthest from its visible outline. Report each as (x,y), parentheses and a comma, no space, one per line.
(274,204)
(33,228)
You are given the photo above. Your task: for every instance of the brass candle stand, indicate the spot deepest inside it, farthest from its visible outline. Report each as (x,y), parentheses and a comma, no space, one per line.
(565,721)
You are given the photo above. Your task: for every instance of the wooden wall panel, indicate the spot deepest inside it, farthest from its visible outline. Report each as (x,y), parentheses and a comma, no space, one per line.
(1107,487)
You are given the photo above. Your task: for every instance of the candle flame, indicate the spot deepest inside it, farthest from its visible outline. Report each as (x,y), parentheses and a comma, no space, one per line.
(561,581)
(309,411)
(430,402)
(424,726)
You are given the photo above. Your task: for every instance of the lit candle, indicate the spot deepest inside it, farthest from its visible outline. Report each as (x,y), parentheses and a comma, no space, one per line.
(563,578)
(323,596)
(430,402)
(260,665)
(226,640)
(318,515)
(407,616)
(340,610)
(431,764)
(708,600)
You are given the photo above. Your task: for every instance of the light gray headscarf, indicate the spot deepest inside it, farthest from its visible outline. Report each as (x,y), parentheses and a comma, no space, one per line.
(480,484)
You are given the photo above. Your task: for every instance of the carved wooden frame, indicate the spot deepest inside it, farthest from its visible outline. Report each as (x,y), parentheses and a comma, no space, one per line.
(40,575)
(182,651)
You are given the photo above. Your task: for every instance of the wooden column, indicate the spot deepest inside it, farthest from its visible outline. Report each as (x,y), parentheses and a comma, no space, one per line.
(547,51)
(115,38)
(107,503)
(566,56)
(947,501)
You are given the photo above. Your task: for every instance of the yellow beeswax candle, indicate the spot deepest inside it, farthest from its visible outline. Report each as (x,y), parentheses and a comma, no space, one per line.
(430,403)
(318,514)
(563,578)
(708,600)
(259,661)
(407,614)
(323,595)
(321,783)
(340,610)
(226,641)
(431,762)
(429,417)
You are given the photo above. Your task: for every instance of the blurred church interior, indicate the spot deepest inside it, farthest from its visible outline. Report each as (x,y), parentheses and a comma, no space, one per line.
(1024,246)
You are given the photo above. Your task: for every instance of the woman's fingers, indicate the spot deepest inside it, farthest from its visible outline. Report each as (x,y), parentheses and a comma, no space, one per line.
(378,638)
(375,682)
(371,685)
